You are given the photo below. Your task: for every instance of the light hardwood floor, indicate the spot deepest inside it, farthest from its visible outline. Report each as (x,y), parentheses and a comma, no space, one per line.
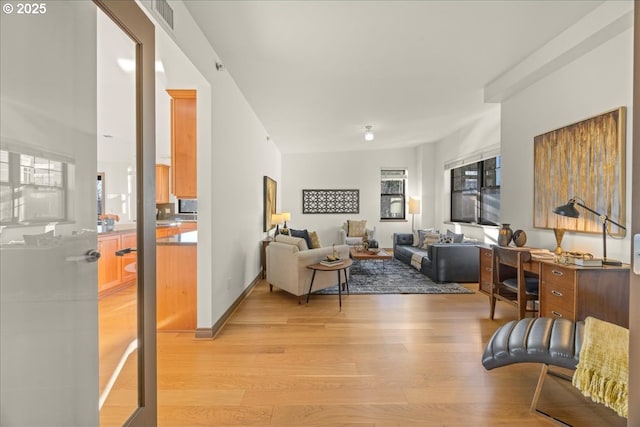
(385,360)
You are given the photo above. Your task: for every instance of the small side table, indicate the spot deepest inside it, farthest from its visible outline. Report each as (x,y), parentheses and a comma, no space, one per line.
(263,256)
(338,267)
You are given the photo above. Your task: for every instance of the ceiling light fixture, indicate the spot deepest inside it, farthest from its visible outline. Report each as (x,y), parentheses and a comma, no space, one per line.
(368,133)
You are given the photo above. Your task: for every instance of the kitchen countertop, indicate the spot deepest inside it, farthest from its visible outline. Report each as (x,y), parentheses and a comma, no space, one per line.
(188,238)
(130,227)
(172,222)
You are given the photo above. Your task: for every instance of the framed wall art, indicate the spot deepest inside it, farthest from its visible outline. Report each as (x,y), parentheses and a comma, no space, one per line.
(585,161)
(270,190)
(330,201)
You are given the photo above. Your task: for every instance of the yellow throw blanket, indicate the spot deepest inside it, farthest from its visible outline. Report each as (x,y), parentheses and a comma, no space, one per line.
(603,370)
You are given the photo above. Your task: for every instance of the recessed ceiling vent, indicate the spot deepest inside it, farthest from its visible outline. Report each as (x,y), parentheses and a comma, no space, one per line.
(163,8)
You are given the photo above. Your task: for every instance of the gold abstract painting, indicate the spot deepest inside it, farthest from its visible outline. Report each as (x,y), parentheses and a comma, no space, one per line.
(270,188)
(583,161)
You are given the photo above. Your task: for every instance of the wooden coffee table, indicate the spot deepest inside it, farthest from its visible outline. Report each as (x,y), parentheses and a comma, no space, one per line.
(370,256)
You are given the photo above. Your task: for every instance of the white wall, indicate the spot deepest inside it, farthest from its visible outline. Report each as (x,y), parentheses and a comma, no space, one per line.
(346,170)
(597,82)
(470,142)
(233,157)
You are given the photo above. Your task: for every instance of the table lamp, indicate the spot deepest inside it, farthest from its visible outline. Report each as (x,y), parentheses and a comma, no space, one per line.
(276,219)
(570,211)
(286,216)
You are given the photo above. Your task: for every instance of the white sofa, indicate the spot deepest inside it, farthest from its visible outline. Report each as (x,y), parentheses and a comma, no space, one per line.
(287,261)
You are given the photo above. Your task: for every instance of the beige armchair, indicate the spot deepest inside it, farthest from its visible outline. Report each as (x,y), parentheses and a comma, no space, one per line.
(345,239)
(287,261)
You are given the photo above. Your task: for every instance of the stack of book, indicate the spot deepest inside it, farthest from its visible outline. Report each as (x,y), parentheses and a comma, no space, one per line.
(587,262)
(330,263)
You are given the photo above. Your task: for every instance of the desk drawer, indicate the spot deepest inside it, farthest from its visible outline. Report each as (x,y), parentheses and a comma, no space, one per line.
(558,292)
(558,275)
(486,273)
(558,311)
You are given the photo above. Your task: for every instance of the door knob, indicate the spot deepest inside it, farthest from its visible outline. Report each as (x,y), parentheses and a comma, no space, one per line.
(91,255)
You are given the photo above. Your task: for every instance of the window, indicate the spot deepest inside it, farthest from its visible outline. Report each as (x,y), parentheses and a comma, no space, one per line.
(393,184)
(475,192)
(32,188)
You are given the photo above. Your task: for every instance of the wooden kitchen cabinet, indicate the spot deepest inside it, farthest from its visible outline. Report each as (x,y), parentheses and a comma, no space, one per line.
(109,270)
(162,183)
(129,261)
(176,287)
(116,272)
(184,183)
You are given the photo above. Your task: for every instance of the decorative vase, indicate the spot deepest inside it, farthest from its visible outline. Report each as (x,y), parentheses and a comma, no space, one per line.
(559,233)
(519,238)
(504,235)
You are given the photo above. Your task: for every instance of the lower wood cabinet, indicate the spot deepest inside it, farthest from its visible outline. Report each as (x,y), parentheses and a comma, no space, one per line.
(176,287)
(109,272)
(116,272)
(129,261)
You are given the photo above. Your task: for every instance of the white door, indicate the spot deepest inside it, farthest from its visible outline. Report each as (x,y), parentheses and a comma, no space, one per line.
(48,282)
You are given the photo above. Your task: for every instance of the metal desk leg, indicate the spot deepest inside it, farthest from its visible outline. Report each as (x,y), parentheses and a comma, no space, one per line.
(313,276)
(339,290)
(346,280)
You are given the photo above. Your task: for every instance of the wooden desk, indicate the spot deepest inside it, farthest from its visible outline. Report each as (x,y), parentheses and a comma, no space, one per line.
(573,292)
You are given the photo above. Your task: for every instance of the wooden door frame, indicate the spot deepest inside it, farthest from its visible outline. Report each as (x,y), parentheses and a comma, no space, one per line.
(133,21)
(634,285)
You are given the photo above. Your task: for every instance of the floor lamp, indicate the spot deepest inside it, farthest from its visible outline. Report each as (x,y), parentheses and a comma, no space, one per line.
(414,208)
(570,210)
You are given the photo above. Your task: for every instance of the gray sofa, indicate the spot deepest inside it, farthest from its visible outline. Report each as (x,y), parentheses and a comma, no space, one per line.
(441,262)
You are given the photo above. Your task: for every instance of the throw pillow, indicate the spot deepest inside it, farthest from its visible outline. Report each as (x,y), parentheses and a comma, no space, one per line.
(445,239)
(304,234)
(456,238)
(357,228)
(430,239)
(420,235)
(315,240)
(295,241)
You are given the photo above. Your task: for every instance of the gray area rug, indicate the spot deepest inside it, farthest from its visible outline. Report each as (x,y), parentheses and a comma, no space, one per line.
(394,277)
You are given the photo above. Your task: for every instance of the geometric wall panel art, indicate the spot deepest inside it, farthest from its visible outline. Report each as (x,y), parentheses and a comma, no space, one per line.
(330,201)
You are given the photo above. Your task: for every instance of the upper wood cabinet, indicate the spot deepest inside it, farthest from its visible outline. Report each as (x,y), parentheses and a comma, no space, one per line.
(162,183)
(184,172)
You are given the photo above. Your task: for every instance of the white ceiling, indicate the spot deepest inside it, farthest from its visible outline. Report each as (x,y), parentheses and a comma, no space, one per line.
(317,72)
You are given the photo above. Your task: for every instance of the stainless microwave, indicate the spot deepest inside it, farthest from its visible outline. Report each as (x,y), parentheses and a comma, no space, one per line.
(188,206)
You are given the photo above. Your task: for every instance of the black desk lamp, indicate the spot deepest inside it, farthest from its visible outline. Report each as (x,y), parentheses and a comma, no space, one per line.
(570,210)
